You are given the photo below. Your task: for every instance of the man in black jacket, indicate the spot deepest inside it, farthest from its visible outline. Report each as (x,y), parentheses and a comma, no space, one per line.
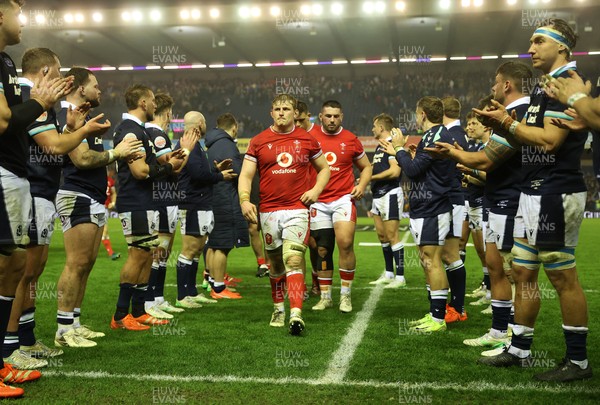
(231,229)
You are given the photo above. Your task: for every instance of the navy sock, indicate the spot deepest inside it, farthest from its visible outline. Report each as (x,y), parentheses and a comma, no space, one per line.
(576,340)
(388,257)
(522,341)
(5,307)
(125,293)
(184,267)
(192,290)
(501,315)
(137,300)
(398,253)
(463,255)
(160,280)
(457,278)
(152,283)
(487,282)
(27,327)
(437,307)
(11,343)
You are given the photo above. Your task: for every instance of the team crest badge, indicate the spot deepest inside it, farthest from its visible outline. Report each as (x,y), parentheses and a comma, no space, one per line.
(160,142)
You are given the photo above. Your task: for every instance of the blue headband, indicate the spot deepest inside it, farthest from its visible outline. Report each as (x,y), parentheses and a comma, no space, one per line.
(553,35)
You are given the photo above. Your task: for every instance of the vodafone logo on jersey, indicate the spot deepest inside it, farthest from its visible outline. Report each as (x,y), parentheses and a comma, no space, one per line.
(285,159)
(331,158)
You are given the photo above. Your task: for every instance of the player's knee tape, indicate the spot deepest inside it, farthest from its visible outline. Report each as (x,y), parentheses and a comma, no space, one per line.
(325,238)
(525,255)
(292,254)
(562,259)
(145,243)
(164,241)
(507,259)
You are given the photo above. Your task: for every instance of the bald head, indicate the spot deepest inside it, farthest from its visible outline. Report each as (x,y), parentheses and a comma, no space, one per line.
(194,119)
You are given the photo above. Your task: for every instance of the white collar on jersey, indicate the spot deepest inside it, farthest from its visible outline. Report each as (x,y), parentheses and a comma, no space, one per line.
(282,133)
(455,123)
(327,133)
(127,116)
(25,81)
(66,104)
(151,125)
(570,65)
(519,101)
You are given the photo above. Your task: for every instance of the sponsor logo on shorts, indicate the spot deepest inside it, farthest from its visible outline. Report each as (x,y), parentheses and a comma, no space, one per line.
(268,238)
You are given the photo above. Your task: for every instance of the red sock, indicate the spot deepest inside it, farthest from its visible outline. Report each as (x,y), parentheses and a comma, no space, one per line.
(261,261)
(277,288)
(296,288)
(108,246)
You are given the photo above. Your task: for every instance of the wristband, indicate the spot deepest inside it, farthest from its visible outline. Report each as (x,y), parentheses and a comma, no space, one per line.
(476,172)
(186,151)
(513,127)
(398,148)
(111,156)
(244,196)
(507,122)
(575,97)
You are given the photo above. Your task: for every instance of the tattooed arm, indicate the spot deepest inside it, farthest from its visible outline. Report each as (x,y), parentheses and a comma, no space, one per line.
(496,152)
(85,158)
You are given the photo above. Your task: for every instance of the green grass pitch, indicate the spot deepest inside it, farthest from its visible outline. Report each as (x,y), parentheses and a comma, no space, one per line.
(227,353)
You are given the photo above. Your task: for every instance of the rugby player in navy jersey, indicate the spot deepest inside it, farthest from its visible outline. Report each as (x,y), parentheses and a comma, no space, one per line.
(502,163)
(388,202)
(430,207)
(166,194)
(80,205)
(551,204)
(44,165)
(477,215)
(15,201)
(455,268)
(196,181)
(136,209)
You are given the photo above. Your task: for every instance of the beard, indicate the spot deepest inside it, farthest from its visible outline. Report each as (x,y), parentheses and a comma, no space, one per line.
(94,103)
(149,116)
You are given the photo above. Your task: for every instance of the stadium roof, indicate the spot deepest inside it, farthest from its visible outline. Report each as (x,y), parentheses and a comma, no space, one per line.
(301,32)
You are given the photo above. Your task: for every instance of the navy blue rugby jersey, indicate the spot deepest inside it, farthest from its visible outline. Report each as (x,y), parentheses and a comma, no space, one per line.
(457,191)
(196,181)
(546,173)
(91,182)
(475,192)
(381,163)
(430,178)
(134,194)
(14,143)
(503,185)
(43,168)
(165,190)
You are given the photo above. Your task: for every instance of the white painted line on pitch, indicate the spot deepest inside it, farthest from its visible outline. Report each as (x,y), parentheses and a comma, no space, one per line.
(471,386)
(340,361)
